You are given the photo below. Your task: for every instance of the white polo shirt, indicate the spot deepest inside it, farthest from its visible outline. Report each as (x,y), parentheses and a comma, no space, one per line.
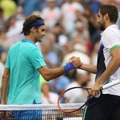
(110,39)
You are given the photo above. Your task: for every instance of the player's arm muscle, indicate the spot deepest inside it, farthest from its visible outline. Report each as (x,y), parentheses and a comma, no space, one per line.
(49,74)
(89,68)
(5,84)
(113,65)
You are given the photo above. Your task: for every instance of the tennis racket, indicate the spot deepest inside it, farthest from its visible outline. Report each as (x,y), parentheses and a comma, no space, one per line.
(87,93)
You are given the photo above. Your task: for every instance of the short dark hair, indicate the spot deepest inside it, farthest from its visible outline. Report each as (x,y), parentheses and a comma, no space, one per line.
(111,10)
(28,21)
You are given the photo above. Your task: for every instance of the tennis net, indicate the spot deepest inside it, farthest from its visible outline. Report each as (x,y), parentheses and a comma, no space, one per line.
(39,112)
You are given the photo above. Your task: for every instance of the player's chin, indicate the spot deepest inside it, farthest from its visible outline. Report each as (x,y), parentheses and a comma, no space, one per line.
(40,40)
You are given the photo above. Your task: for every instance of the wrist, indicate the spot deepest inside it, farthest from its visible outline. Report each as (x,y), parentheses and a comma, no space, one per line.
(81,65)
(69,66)
(99,83)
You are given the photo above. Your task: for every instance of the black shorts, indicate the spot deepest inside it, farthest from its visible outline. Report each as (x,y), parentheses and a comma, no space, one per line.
(106,107)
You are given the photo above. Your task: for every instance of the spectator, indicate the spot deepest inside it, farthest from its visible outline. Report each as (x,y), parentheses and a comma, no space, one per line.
(59,84)
(68,14)
(4,42)
(9,8)
(51,13)
(29,6)
(2,20)
(15,27)
(47,96)
(78,95)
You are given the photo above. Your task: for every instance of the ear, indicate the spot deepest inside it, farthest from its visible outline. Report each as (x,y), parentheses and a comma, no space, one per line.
(33,29)
(106,16)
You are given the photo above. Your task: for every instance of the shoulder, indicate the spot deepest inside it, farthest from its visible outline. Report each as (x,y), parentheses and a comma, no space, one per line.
(53,94)
(14,46)
(111,36)
(111,31)
(29,47)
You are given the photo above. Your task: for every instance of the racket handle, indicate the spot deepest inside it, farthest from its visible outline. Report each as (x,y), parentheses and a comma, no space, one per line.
(110,84)
(107,86)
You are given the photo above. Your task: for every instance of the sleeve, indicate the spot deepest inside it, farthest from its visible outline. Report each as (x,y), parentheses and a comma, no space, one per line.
(36,59)
(110,40)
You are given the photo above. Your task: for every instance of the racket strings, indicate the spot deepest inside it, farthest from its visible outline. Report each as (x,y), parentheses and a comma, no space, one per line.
(76,109)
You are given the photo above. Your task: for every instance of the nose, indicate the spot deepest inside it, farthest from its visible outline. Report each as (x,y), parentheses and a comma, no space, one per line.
(98,20)
(44,34)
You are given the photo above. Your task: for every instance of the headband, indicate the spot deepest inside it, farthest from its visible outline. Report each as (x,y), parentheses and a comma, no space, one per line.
(36,24)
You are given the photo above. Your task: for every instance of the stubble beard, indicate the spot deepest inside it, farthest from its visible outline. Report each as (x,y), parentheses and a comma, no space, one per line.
(101,27)
(38,40)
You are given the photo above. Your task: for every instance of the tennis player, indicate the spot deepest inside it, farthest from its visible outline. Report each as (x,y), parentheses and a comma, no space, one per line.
(107,106)
(24,64)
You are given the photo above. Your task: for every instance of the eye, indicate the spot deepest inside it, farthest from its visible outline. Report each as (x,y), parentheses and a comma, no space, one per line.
(43,30)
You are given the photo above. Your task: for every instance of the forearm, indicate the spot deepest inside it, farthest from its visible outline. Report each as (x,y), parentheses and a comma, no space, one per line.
(5,84)
(4,90)
(111,68)
(49,74)
(54,73)
(89,68)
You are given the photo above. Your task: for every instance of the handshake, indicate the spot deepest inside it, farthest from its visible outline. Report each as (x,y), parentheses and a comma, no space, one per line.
(74,62)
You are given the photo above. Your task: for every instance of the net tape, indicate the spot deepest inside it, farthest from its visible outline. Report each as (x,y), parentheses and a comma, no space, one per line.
(39,106)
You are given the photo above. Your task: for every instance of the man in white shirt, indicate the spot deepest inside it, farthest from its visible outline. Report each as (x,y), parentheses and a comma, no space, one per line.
(107,106)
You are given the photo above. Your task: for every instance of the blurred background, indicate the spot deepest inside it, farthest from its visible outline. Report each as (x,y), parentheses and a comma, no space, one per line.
(71,31)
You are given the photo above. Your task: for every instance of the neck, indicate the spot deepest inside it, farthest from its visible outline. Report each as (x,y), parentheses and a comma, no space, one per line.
(30,38)
(108,24)
(46,94)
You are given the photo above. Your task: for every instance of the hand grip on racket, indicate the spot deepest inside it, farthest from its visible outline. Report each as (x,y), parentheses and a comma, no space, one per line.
(89,96)
(108,85)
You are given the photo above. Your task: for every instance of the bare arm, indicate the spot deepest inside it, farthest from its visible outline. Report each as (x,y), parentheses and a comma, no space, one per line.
(111,68)
(89,68)
(5,84)
(49,74)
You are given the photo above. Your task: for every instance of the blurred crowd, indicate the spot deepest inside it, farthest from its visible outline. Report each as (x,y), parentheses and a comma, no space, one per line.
(71,31)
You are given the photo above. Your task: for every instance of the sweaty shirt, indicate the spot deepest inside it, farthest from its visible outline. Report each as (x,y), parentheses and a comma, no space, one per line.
(23,60)
(110,39)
